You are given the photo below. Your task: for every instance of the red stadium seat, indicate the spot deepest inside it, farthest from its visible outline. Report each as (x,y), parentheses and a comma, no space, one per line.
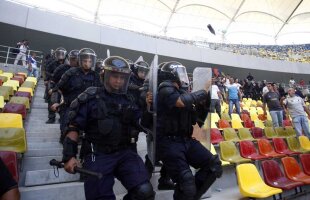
(293,170)
(24,94)
(20,80)
(248,150)
(21,74)
(257,133)
(265,148)
(274,176)
(305,162)
(223,123)
(281,147)
(216,136)
(15,108)
(248,123)
(245,117)
(1,82)
(287,122)
(10,160)
(262,117)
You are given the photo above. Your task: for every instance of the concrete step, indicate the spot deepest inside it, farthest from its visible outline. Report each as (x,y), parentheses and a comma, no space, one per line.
(38,163)
(43,145)
(44,152)
(43,133)
(42,139)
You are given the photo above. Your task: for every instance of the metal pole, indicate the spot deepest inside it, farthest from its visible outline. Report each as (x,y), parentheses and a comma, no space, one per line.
(7,56)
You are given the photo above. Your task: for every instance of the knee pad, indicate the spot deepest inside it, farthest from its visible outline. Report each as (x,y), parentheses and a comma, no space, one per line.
(216,166)
(143,192)
(186,184)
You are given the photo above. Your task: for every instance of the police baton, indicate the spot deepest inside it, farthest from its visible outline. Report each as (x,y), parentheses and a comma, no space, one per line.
(59,164)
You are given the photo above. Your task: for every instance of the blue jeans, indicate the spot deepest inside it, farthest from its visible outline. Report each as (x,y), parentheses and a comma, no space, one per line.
(301,124)
(237,105)
(277,118)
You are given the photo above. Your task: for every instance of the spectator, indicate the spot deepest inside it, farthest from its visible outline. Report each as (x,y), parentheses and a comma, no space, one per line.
(233,96)
(216,98)
(271,98)
(23,47)
(32,66)
(250,77)
(295,106)
(8,186)
(302,82)
(292,82)
(265,88)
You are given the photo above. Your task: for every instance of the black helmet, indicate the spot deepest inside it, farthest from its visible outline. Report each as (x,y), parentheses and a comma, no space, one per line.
(176,72)
(118,70)
(141,69)
(87,58)
(73,53)
(60,53)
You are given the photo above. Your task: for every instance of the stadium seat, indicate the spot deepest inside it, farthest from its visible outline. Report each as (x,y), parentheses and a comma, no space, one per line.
(4,78)
(8,74)
(13,139)
(290,131)
(5,95)
(248,150)
(9,158)
(235,116)
(245,117)
(260,112)
(9,89)
(281,132)
(20,100)
(287,122)
(11,120)
(216,136)
(257,133)
(225,116)
(268,123)
(259,124)
(15,108)
(28,84)
(305,162)
(222,123)
(270,132)
(10,84)
(13,82)
(32,79)
(1,102)
(1,82)
(251,184)
(230,153)
(294,145)
(19,79)
(262,117)
(274,176)
(26,89)
(293,170)
(245,134)
(254,116)
(230,134)
(213,151)
(248,123)
(214,117)
(281,147)
(266,149)
(21,74)
(23,94)
(236,124)
(304,142)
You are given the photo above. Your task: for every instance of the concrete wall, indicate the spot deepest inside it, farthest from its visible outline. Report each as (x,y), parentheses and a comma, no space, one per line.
(47,31)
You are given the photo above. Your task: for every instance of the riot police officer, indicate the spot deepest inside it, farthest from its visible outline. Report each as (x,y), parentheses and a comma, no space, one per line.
(60,56)
(76,80)
(98,66)
(109,118)
(177,149)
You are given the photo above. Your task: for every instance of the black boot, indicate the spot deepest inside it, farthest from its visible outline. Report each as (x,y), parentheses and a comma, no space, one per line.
(165,183)
(50,121)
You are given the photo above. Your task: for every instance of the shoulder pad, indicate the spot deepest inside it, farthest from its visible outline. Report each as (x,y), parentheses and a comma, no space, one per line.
(91,90)
(89,93)
(166,88)
(166,84)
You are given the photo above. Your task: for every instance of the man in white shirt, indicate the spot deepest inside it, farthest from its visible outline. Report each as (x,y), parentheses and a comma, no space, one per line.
(295,106)
(216,97)
(23,47)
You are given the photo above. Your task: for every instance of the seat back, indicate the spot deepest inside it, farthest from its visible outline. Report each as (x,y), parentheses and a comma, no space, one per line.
(290,131)
(247,148)
(223,123)
(235,116)
(293,144)
(15,108)
(248,177)
(225,116)
(13,139)
(281,132)
(245,117)
(216,136)
(287,122)
(236,124)
(272,171)
(23,94)
(228,150)
(254,116)
(268,123)
(245,134)
(26,89)
(259,124)
(28,84)
(1,102)
(279,145)
(270,132)
(304,142)
(305,162)
(215,117)
(264,146)
(257,132)
(10,120)
(291,167)
(230,134)
(10,160)
(248,123)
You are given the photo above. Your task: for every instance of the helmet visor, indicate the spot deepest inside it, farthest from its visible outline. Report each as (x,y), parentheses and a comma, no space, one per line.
(182,74)
(60,55)
(143,72)
(87,62)
(116,82)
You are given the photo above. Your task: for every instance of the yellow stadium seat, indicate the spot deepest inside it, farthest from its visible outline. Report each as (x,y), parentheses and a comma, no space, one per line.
(269,116)
(20,100)
(260,111)
(270,132)
(230,135)
(13,139)
(10,84)
(5,95)
(268,123)
(1,102)
(8,74)
(225,116)
(304,142)
(235,116)
(254,116)
(215,117)
(4,78)
(32,79)
(213,151)
(9,89)
(251,184)
(294,145)
(259,124)
(28,84)
(14,82)
(245,134)
(1,71)
(230,153)
(245,108)
(236,124)
(253,103)
(11,120)
(290,131)
(26,89)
